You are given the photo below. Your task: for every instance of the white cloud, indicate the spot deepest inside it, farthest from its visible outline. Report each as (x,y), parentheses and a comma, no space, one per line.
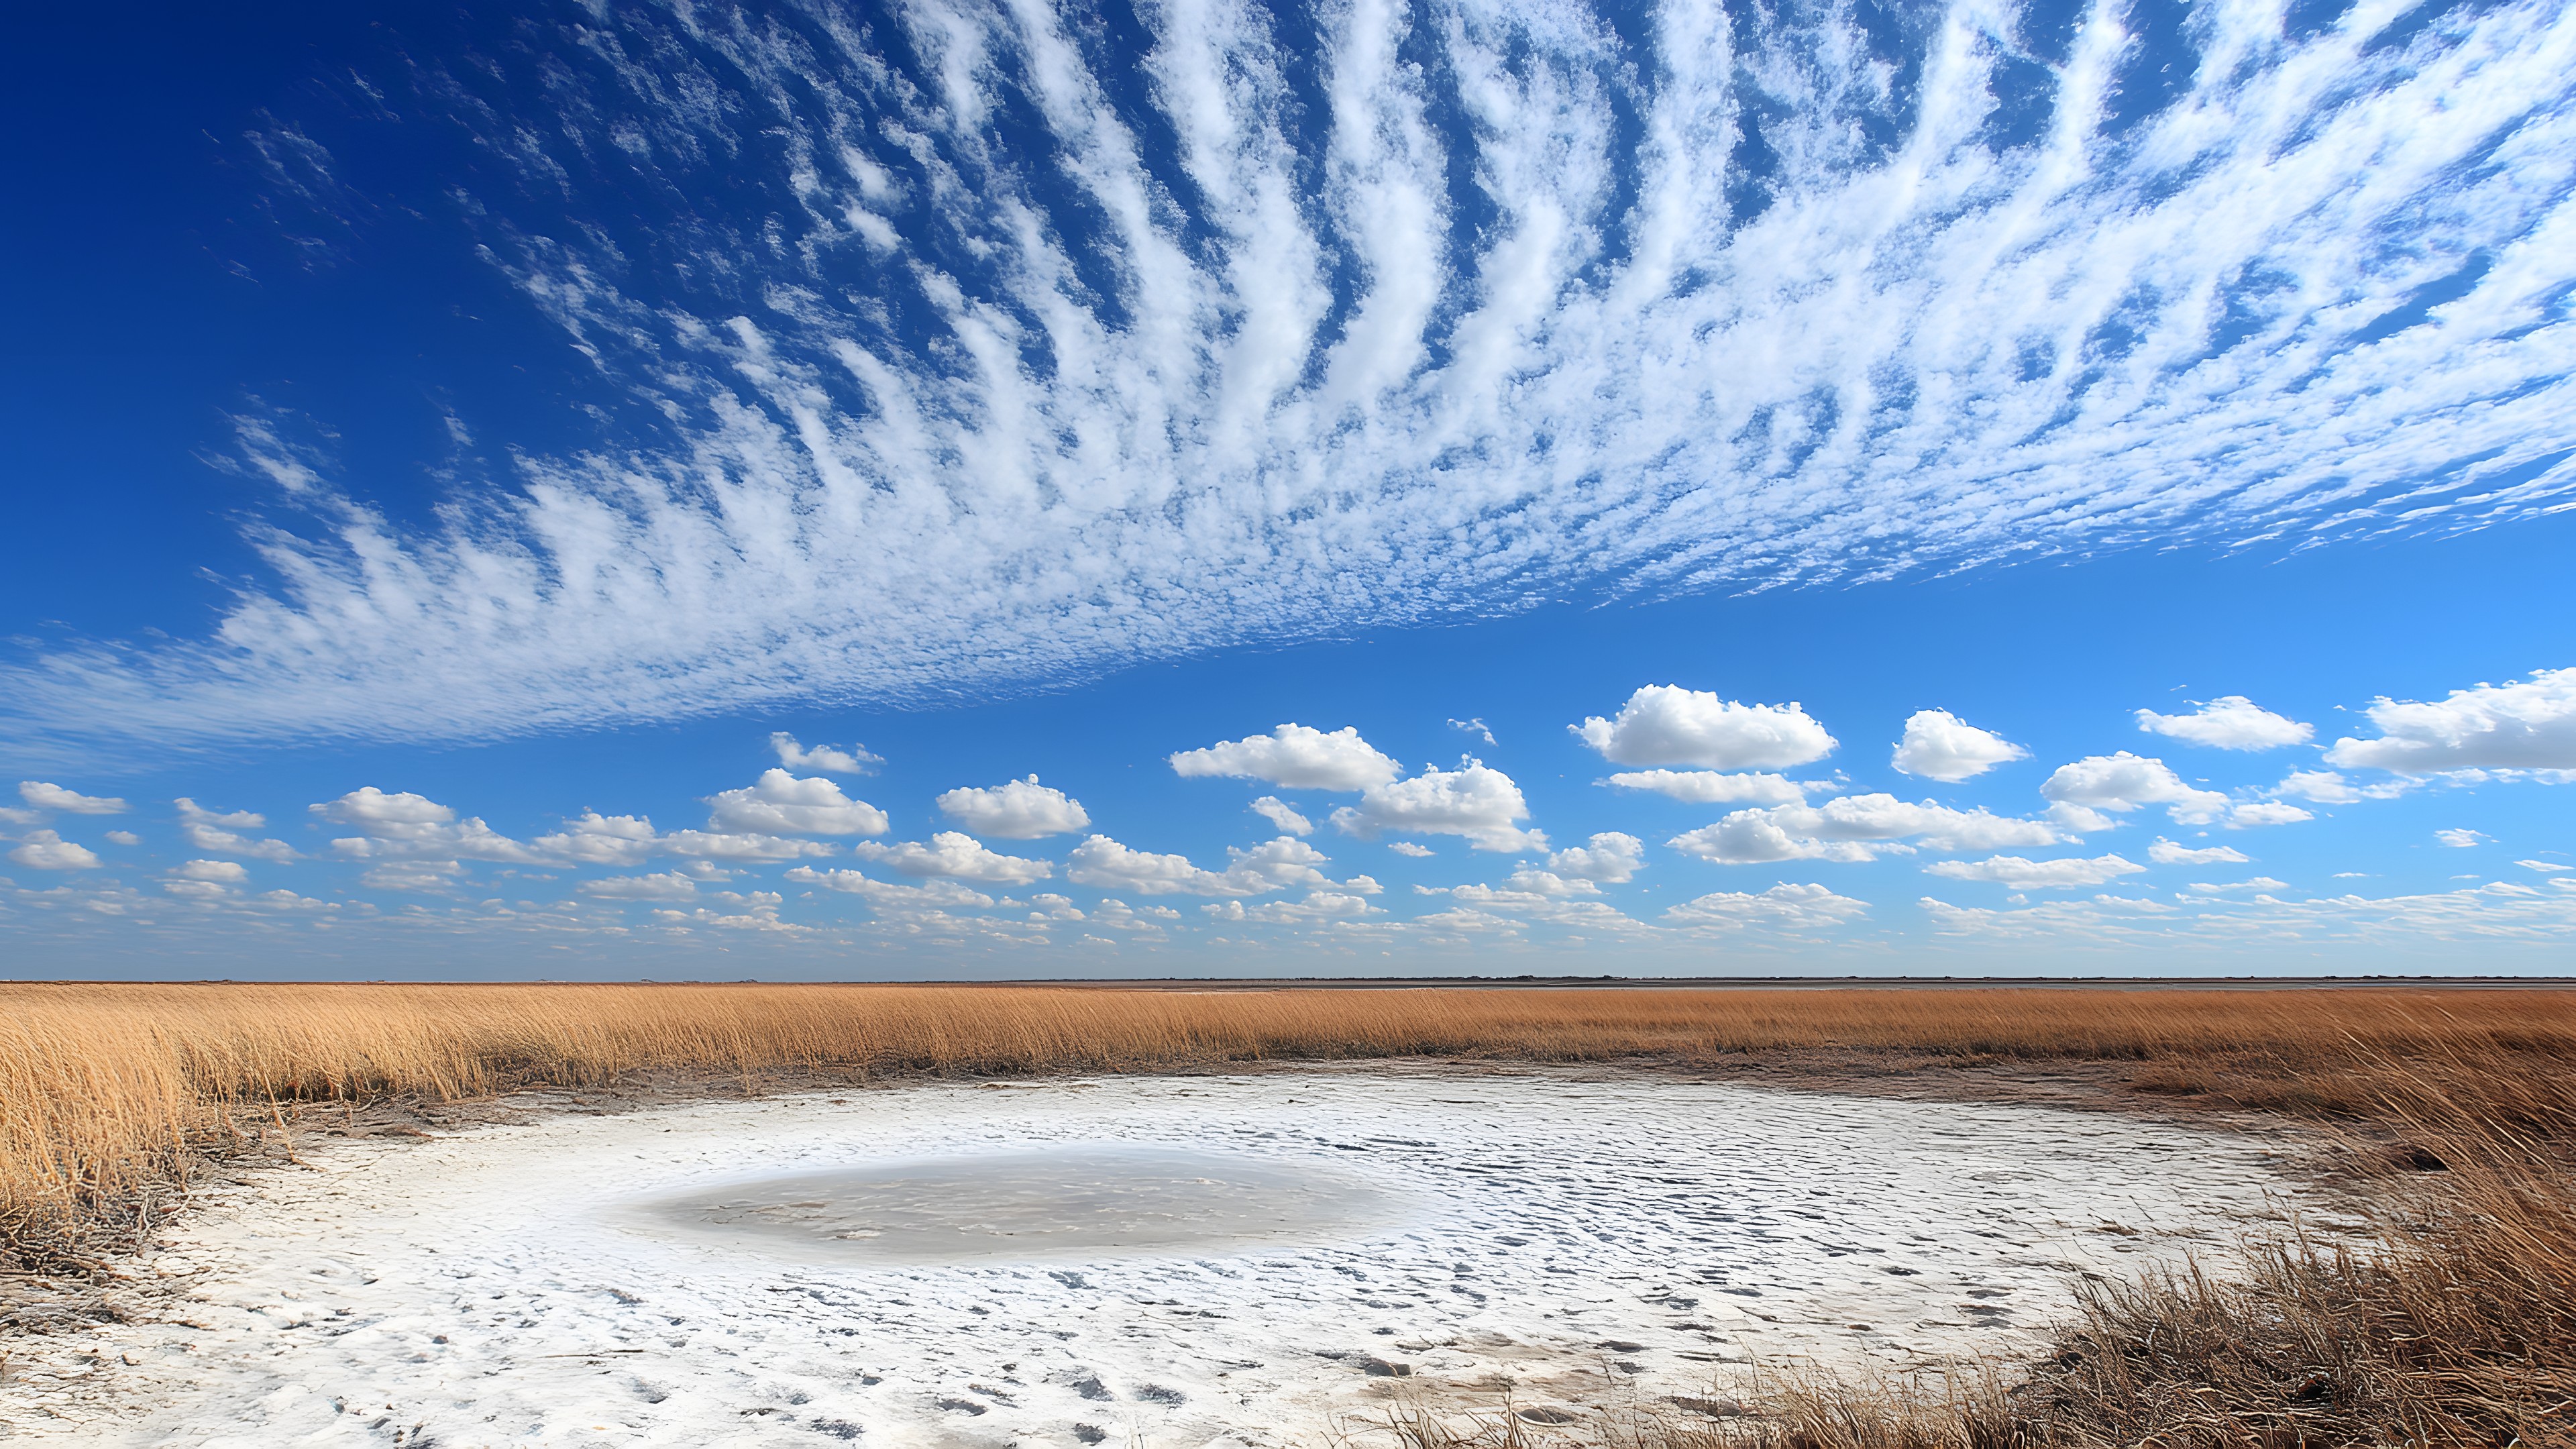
(123,837)
(1938,745)
(723,845)
(2526,725)
(2021,874)
(1407,847)
(2491,916)
(596,839)
(204,891)
(2459,839)
(2122,782)
(2544,866)
(47,850)
(2165,852)
(1282,815)
(2229,722)
(1710,787)
(956,856)
(937,894)
(226,872)
(1304,395)
(191,813)
(1286,861)
(856,760)
(1785,906)
(2326,787)
(12,815)
(1664,724)
(45,796)
(1017,810)
(1610,857)
(2258,883)
(405,824)
(424,877)
(781,804)
(225,842)
(1103,862)
(1318,906)
(217,834)
(666,886)
(2248,814)
(1855,828)
(1476,727)
(1297,756)
(1474,801)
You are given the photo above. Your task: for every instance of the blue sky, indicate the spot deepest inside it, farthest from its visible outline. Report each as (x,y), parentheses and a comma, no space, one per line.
(621,491)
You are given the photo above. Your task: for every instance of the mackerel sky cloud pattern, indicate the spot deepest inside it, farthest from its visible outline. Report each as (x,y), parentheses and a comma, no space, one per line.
(966,348)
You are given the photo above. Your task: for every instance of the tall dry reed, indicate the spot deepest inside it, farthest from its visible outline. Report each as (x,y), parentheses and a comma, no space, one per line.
(107,1091)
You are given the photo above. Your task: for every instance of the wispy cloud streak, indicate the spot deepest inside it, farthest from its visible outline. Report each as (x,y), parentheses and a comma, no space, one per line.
(983,352)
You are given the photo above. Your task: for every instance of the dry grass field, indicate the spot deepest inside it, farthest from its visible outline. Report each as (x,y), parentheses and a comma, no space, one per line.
(2460,1328)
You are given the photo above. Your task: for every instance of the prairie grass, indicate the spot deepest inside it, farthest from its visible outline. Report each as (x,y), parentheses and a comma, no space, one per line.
(110,1093)
(2459,1327)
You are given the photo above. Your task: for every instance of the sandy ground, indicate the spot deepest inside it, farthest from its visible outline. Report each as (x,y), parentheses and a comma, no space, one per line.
(1339,1239)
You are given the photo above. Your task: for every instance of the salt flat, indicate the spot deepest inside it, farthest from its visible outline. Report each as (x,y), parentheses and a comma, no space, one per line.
(1240,1260)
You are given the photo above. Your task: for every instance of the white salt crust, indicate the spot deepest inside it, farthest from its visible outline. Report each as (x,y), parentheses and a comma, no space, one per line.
(1590,1238)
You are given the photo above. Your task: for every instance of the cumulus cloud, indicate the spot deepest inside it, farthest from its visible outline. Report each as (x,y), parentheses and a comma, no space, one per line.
(1316,907)
(1938,745)
(856,760)
(47,850)
(2021,874)
(1297,756)
(2248,814)
(2326,787)
(935,895)
(1074,412)
(1282,816)
(420,877)
(2526,725)
(1610,858)
(738,847)
(123,837)
(2459,839)
(225,872)
(1411,848)
(218,833)
(1286,861)
(1476,727)
(2229,722)
(1855,828)
(1475,802)
(956,856)
(1711,787)
(405,824)
(1786,906)
(781,804)
(191,813)
(1664,724)
(2165,852)
(47,796)
(2123,782)
(666,886)
(1016,810)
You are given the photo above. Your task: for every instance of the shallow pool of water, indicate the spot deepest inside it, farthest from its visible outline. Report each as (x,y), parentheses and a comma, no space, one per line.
(1083,1200)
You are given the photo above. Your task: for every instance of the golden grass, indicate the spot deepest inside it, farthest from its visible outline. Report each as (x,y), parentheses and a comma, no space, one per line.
(2460,1328)
(109,1092)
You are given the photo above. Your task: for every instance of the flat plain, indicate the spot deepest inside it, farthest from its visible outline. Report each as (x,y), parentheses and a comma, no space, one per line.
(1585,1216)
